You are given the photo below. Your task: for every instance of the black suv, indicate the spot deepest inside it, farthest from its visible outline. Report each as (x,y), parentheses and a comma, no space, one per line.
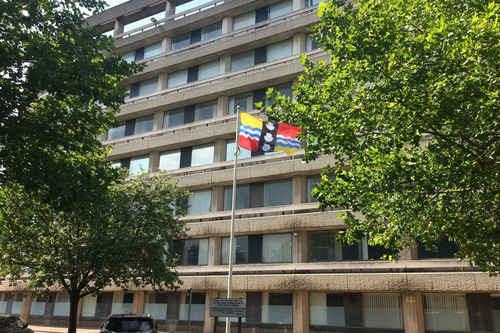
(130,322)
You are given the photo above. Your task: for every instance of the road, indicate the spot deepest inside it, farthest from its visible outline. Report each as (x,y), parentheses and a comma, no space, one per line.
(53,329)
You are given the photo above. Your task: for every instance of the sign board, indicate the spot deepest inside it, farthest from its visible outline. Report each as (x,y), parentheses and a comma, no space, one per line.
(410,299)
(228,307)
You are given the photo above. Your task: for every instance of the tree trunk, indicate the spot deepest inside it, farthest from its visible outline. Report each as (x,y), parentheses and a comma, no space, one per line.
(74,298)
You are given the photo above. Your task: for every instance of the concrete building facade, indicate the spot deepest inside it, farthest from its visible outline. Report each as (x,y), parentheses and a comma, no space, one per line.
(180,116)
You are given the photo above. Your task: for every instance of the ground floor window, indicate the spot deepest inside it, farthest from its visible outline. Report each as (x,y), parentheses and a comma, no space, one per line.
(326,309)
(61,307)
(277,308)
(446,312)
(122,302)
(383,310)
(197,307)
(156,305)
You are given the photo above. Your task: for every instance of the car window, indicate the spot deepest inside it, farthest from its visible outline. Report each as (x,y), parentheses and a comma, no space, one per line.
(10,323)
(129,324)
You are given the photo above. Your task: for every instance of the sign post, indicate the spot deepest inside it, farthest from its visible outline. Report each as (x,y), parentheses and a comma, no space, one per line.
(228,307)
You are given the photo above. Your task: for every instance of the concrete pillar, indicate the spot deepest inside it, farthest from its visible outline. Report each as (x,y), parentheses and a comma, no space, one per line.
(26,307)
(154,161)
(299,246)
(158,120)
(299,43)
(300,311)
(225,64)
(103,137)
(408,253)
(208,326)
(227,24)
(220,152)
(166,44)
(217,199)
(169,9)
(222,106)
(298,4)
(119,26)
(138,305)
(413,312)
(162,81)
(299,189)
(214,250)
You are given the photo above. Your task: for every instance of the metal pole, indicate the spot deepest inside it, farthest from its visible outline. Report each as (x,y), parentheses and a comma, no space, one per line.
(189,308)
(231,239)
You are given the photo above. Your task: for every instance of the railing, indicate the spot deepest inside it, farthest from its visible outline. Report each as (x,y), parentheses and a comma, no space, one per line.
(172,18)
(232,34)
(220,78)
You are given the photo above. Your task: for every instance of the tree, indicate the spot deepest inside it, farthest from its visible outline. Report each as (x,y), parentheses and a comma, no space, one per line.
(118,240)
(409,108)
(54,82)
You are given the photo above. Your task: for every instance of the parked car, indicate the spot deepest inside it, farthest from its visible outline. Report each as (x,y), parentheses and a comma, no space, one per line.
(12,324)
(129,322)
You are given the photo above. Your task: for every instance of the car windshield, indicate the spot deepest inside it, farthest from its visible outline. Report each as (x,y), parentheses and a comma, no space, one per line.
(129,324)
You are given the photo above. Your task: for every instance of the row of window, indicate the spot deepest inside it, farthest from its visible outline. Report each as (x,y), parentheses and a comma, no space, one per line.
(456,312)
(193,113)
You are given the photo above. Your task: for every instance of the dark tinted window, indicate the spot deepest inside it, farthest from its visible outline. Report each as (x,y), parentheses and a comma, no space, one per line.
(129,324)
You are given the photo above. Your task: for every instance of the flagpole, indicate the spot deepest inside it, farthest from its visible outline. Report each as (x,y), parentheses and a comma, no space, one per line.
(233,209)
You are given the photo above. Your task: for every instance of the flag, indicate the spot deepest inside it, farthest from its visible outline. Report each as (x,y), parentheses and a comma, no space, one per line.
(258,135)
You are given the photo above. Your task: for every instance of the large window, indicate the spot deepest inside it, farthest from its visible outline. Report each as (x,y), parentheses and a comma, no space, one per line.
(144,124)
(152,50)
(313,2)
(116,132)
(181,41)
(192,252)
(244,20)
(278,193)
(284,89)
(148,86)
(321,245)
(244,101)
(310,44)
(383,310)
(177,78)
(230,150)
(122,302)
(240,250)
(37,306)
(173,118)
(129,56)
(208,70)
(259,249)
(211,31)
(279,8)
(495,309)
(242,197)
(277,248)
(279,50)
(203,154)
(311,184)
(242,60)
(197,307)
(446,312)
(139,165)
(205,111)
(156,305)
(170,160)
(277,308)
(326,309)
(61,306)
(200,202)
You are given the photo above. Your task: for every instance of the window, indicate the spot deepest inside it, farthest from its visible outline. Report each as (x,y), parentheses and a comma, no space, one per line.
(173,118)
(242,60)
(61,306)
(277,308)
(115,165)
(326,309)
(383,310)
(240,248)
(37,306)
(211,31)
(177,78)
(205,111)
(139,165)
(311,184)
(230,149)
(280,8)
(152,50)
(203,154)
(243,20)
(116,132)
(128,90)
(197,307)
(192,252)
(313,2)
(200,202)
(129,56)
(209,69)
(310,44)
(17,303)
(4,299)
(244,101)
(91,306)
(321,245)
(156,305)
(495,309)
(445,249)
(181,41)
(279,50)
(284,89)
(170,160)
(122,302)
(446,312)
(143,124)
(278,193)
(242,197)
(277,248)
(148,86)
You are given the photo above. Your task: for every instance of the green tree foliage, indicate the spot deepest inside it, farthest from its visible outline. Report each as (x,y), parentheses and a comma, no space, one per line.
(54,81)
(409,108)
(118,240)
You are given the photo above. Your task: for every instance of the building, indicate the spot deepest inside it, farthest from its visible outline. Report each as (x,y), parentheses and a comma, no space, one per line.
(201,64)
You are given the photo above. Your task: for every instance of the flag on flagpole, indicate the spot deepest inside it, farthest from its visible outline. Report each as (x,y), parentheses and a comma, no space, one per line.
(259,135)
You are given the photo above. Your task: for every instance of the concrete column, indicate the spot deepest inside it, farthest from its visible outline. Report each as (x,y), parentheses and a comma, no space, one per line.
(162,81)
(158,120)
(154,161)
(299,43)
(227,24)
(408,253)
(208,326)
(299,246)
(299,189)
(119,26)
(26,307)
(166,44)
(222,106)
(225,64)
(169,9)
(413,312)
(103,137)
(217,199)
(214,248)
(138,305)
(220,152)
(300,312)
(298,4)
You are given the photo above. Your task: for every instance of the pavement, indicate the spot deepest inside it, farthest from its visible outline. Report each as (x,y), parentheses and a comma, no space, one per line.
(55,329)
